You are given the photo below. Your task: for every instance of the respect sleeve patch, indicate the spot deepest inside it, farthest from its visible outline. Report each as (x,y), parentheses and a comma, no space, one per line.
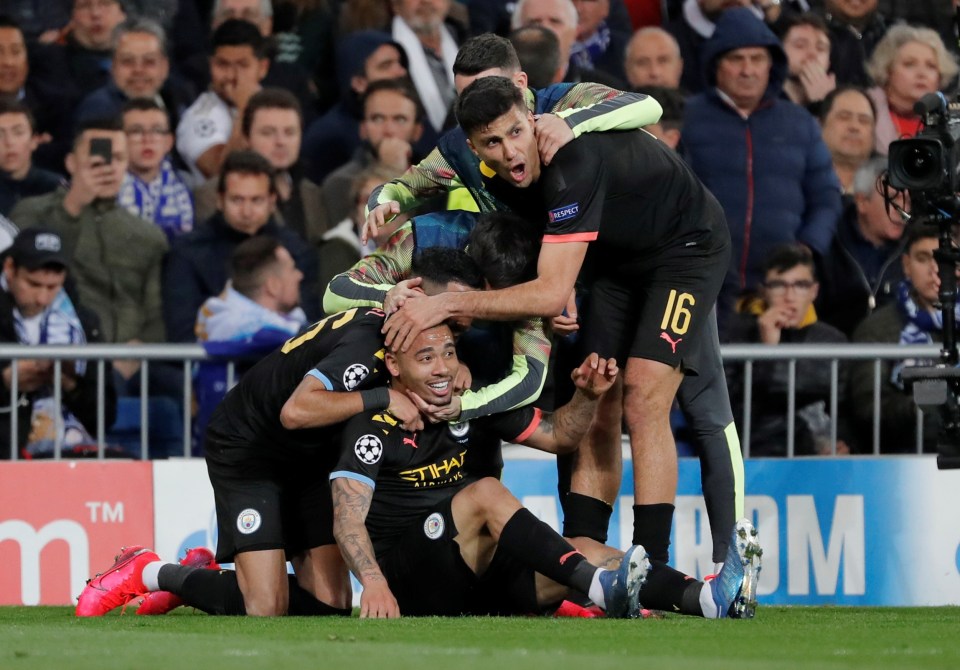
(564,213)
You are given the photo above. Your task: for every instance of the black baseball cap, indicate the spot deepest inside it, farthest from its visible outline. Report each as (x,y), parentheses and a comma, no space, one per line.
(36,248)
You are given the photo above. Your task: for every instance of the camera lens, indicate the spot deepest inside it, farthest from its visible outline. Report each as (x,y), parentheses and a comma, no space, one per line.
(920,164)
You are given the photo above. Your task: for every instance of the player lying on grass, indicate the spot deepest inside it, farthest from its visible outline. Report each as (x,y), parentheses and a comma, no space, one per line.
(268,447)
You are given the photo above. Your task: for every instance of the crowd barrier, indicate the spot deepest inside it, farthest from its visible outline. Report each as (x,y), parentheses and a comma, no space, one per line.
(835,530)
(186,355)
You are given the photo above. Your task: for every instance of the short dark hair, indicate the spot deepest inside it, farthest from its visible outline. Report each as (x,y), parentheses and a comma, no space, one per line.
(787,256)
(13,106)
(269,98)
(442,265)
(484,52)
(237,32)
(110,124)
(486,100)
(403,86)
(827,105)
(246,162)
(505,247)
(250,261)
(538,50)
(791,21)
(142,105)
(919,231)
(672,102)
(7,21)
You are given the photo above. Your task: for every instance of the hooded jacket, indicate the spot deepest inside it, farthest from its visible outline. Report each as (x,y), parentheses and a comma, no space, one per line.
(331,140)
(771,171)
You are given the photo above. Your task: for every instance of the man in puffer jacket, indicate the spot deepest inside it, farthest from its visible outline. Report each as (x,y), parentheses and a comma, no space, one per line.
(762,156)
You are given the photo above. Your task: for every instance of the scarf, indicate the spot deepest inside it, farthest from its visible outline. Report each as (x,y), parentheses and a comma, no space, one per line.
(58,324)
(584,54)
(234,318)
(166,200)
(420,70)
(917,329)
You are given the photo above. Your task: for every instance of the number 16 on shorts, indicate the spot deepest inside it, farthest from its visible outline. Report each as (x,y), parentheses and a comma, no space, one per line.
(676,317)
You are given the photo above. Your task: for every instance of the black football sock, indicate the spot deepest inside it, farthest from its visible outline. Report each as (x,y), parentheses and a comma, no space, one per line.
(651,528)
(671,591)
(210,591)
(543,549)
(303,603)
(584,516)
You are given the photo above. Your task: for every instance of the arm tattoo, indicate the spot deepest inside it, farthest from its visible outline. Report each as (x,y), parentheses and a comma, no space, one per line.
(351,502)
(570,423)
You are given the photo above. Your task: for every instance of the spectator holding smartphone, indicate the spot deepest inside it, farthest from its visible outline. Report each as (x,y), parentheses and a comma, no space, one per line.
(113,255)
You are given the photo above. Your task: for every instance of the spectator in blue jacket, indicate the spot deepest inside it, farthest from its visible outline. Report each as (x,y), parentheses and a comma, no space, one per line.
(763,157)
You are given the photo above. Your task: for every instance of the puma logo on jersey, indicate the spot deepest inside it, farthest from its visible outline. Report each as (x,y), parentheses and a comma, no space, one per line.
(673,343)
(411,441)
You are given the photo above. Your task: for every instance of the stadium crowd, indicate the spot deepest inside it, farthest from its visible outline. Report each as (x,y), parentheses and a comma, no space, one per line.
(145,144)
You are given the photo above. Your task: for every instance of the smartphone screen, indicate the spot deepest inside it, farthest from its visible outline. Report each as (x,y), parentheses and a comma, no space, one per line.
(102,147)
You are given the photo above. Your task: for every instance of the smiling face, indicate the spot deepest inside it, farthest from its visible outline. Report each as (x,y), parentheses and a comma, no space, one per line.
(428,367)
(139,66)
(508,146)
(13,61)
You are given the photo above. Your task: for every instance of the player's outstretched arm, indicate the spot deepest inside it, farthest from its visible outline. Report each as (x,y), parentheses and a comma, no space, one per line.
(351,502)
(562,431)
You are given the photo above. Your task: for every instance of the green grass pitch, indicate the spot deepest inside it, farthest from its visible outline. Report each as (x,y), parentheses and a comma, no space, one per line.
(780,637)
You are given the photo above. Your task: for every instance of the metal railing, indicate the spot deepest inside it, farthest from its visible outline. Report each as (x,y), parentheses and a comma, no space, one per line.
(831,354)
(188,354)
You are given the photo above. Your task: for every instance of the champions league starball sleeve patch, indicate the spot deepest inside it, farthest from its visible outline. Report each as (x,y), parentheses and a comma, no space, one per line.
(368,449)
(353,375)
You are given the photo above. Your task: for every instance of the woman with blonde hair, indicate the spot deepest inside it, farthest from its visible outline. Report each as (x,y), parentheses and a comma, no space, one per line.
(908,63)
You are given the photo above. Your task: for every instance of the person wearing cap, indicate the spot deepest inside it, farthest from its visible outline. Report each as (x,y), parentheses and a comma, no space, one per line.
(761,155)
(36,309)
